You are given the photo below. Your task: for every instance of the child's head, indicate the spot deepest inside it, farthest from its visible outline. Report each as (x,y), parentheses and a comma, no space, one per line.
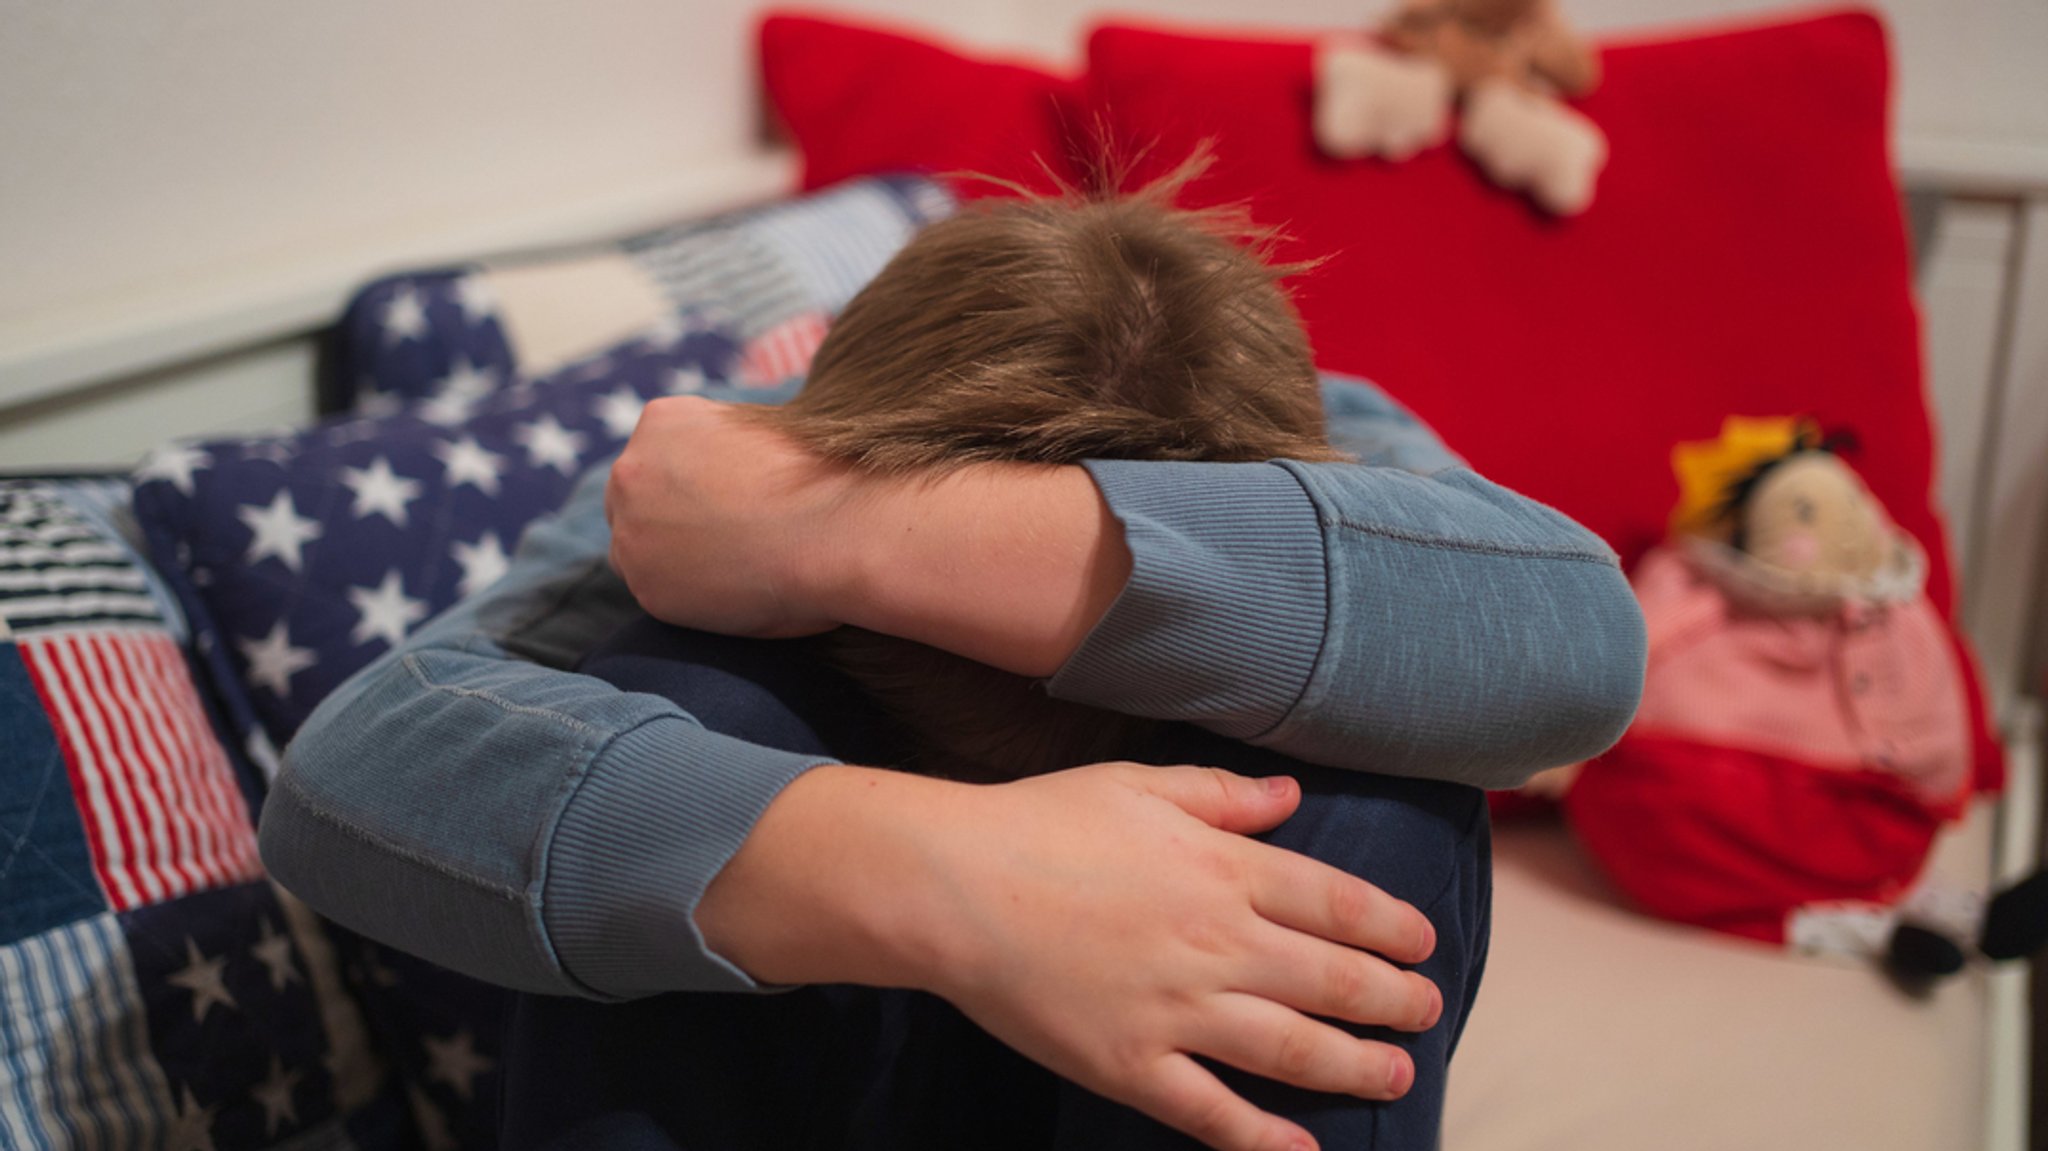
(1065,328)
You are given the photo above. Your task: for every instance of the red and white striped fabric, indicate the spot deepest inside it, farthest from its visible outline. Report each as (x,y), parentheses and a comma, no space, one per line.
(162,812)
(783,351)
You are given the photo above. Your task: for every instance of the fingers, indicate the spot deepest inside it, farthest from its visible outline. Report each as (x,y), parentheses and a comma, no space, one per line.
(1224,799)
(1186,1097)
(1322,978)
(1295,891)
(1266,1039)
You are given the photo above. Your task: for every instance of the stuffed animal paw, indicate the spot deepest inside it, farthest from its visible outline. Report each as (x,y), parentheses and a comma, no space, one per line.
(1532,142)
(1373,102)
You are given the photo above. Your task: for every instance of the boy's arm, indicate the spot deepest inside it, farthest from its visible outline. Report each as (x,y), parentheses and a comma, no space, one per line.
(1411,618)
(1408,618)
(467,800)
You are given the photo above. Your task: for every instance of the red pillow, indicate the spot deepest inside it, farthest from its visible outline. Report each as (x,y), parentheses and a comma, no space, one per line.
(859,100)
(1745,254)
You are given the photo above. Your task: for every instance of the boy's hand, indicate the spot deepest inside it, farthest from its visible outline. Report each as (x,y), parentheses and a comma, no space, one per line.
(1111,922)
(719,522)
(722,523)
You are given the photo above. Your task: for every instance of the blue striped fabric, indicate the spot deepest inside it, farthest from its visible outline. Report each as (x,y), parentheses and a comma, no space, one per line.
(768,265)
(77,1068)
(724,269)
(833,244)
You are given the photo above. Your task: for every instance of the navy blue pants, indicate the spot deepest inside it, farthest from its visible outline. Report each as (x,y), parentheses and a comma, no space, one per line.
(842,1068)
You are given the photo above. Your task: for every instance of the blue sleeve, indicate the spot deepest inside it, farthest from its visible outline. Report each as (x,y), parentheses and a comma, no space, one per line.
(467,799)
(1404,616)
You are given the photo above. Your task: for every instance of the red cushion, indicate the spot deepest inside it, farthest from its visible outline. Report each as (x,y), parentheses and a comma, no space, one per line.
(860,99)
(1745,254)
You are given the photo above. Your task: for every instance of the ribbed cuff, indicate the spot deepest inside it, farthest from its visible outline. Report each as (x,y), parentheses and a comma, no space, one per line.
(649,827)
(1224,613)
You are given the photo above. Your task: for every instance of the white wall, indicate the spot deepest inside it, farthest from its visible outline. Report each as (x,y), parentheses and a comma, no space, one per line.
(180,180)
(146,141)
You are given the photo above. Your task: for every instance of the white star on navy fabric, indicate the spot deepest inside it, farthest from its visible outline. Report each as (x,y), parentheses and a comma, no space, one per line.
(686,381)
(456,399)
(262,752)
(273,660)
(465,380)
(279,531)
(469,463)
(380,491)
(274,950)
(378,405)
(473,296)
(446,410)
(405,317)
(275,1094)
(455,1061)
(620,411)
(385,612)
(549,444)
(433,1125)
(192,1128)
(175,463)
(204,978)
(483,563)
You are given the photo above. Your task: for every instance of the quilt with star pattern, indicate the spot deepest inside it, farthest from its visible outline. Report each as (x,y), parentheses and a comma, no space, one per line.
(155,991)
(158,991)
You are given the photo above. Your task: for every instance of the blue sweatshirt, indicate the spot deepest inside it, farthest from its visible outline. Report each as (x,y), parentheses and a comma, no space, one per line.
(468,799)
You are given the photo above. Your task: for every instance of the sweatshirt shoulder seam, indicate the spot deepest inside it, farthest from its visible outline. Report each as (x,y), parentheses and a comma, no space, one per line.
(1602,558)
(418,671)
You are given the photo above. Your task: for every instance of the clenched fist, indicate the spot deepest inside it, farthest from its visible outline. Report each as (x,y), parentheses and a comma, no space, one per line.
(721,522)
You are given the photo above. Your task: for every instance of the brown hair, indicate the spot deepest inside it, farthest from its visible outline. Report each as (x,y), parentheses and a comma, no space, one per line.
(1086,325)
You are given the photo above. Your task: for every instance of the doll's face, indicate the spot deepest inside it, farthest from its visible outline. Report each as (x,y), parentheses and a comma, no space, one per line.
(1812,514)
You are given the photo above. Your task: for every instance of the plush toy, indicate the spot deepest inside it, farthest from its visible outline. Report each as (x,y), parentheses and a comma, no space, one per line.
(1803,733)
(1508,60)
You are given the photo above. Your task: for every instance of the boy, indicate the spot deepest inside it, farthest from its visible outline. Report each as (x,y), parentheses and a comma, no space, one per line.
(1365,618)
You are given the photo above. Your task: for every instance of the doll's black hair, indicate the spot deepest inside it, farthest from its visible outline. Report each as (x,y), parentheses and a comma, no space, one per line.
(1806,437)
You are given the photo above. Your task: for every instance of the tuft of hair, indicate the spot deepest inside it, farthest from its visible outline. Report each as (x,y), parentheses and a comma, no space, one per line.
(1087,324)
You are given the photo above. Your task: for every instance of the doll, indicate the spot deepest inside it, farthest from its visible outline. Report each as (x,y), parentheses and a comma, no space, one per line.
(1804,731)
(1507,61)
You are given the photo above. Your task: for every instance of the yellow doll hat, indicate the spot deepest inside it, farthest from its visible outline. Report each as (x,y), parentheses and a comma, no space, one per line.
(1710,471)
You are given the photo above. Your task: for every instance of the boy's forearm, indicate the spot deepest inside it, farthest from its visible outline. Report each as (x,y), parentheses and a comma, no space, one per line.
(1010,565)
